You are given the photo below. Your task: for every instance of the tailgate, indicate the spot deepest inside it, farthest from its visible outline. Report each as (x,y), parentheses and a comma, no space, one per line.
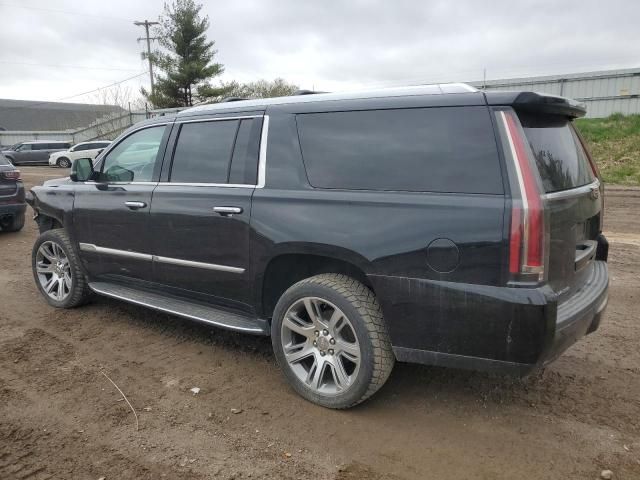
(573,199)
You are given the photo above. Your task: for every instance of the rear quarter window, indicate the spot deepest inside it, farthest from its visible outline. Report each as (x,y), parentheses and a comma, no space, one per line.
(439,149)
(560,158)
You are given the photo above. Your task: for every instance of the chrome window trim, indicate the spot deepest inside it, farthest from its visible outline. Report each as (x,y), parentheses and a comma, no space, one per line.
(219,119)
(262,158)
(187,184)
(90,247)
(574,192)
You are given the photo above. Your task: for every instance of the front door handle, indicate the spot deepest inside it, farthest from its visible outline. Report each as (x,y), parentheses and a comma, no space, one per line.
(135,205)
(227,210)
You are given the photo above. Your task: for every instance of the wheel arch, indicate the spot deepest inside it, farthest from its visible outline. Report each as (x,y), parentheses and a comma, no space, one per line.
(286,268)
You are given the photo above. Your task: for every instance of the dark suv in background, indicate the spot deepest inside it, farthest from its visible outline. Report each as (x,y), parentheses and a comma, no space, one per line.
(434,224)
(34,153)
(12,201)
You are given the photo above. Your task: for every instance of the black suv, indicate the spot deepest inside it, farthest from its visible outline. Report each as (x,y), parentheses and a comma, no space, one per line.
(12,201)
(434,224)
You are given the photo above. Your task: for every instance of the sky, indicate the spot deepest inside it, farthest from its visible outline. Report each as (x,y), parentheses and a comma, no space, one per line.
(58,50)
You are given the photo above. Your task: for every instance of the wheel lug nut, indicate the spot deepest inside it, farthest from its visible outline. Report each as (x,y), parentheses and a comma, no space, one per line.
(315,344)
(331,351)
(332,341)
(325,332)
(317,333)
(322,353)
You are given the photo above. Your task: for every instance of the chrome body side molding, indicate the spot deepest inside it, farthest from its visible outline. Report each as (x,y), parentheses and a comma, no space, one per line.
(90,247)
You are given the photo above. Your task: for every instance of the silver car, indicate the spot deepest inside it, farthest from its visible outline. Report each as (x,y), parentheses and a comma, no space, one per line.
(34,152)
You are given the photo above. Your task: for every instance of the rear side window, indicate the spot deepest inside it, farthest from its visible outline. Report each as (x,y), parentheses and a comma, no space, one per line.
(561,160)
(448,149)
(220,151)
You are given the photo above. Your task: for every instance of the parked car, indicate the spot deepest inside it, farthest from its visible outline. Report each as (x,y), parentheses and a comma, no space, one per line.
(12,202)
(35,152)
(435,224)
(80,150)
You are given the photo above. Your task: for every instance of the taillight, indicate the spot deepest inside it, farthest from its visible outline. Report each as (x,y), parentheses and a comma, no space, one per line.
(527,232)
(11,174)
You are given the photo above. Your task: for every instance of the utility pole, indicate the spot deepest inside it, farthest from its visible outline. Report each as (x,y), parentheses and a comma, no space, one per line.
(146,25)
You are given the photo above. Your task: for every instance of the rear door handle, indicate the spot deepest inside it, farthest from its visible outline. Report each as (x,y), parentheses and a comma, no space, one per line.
(135,205)
(227,210)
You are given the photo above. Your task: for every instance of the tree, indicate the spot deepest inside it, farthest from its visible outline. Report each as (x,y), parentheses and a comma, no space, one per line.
(186,58)
(259,89)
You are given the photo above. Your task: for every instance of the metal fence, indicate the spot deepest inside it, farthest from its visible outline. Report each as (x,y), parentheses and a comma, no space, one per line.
(603,93)
(106,128)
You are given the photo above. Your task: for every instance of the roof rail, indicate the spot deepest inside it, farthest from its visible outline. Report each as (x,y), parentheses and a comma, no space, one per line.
(306,92)
(233,99)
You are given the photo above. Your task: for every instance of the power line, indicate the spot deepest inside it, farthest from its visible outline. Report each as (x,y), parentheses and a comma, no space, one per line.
(38,104)
(83,67)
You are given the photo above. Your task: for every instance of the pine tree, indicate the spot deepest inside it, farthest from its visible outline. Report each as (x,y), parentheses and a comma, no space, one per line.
(186,60)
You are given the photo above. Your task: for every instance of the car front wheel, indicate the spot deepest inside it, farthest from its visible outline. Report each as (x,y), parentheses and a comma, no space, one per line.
(57,270)
(330,340)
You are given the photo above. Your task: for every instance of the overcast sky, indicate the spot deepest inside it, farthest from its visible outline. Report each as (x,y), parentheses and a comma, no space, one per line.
(55,49)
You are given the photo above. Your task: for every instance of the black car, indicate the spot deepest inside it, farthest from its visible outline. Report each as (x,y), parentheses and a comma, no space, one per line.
(12,202)
(435,224)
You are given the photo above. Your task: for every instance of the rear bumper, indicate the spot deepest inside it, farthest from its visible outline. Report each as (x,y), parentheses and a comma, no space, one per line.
(492,328)
(581,313)
(11,210)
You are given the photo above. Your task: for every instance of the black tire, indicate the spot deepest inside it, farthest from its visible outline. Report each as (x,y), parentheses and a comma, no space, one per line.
(16,224)
(363,311)
(64,162)
(79,293)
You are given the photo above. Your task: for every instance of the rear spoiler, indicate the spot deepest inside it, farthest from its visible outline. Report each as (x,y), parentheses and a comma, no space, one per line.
(537,102)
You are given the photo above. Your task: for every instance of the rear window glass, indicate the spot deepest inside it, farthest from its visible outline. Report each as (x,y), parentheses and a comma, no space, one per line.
(560,158)
(449,149)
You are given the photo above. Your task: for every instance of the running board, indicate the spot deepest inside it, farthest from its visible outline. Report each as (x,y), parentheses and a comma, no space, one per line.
(183,308)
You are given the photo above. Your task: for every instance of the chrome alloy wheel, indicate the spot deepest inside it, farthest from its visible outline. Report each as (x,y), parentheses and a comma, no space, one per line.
(53,270)
(320,345)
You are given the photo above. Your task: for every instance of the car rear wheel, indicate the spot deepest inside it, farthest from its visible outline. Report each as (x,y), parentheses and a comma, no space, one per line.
(14,224)
(64,162)
(330,340)
(57,270)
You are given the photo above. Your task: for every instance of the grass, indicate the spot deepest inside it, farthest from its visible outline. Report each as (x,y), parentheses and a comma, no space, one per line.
(614,143)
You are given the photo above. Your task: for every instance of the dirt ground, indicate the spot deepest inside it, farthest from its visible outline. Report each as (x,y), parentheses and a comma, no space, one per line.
(61,418)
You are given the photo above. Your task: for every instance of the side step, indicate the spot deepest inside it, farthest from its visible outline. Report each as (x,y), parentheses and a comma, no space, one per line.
(183,308)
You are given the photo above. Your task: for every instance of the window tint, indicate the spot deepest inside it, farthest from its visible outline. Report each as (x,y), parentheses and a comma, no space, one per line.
(40,146)
(561,160)
(203,152)
(448,149)
(134,158)
(25,147)
(81,148)
(244,164)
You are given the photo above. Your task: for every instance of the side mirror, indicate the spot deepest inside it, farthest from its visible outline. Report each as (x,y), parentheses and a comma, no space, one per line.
(81,170)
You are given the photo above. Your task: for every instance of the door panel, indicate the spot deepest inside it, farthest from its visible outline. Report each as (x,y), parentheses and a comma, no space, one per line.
(185,227)
(103,221)
(111,215)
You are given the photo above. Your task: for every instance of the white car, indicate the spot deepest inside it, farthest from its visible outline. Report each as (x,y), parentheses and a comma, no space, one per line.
(79,150)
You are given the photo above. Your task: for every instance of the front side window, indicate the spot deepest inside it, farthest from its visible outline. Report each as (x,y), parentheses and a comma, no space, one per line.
(25,147)
(80,148)
(134,158)
(203,152)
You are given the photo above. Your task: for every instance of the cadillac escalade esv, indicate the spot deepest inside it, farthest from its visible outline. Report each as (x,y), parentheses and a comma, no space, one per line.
(434,224)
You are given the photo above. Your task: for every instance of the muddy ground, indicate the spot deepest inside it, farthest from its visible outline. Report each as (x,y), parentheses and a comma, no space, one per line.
(60,417)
